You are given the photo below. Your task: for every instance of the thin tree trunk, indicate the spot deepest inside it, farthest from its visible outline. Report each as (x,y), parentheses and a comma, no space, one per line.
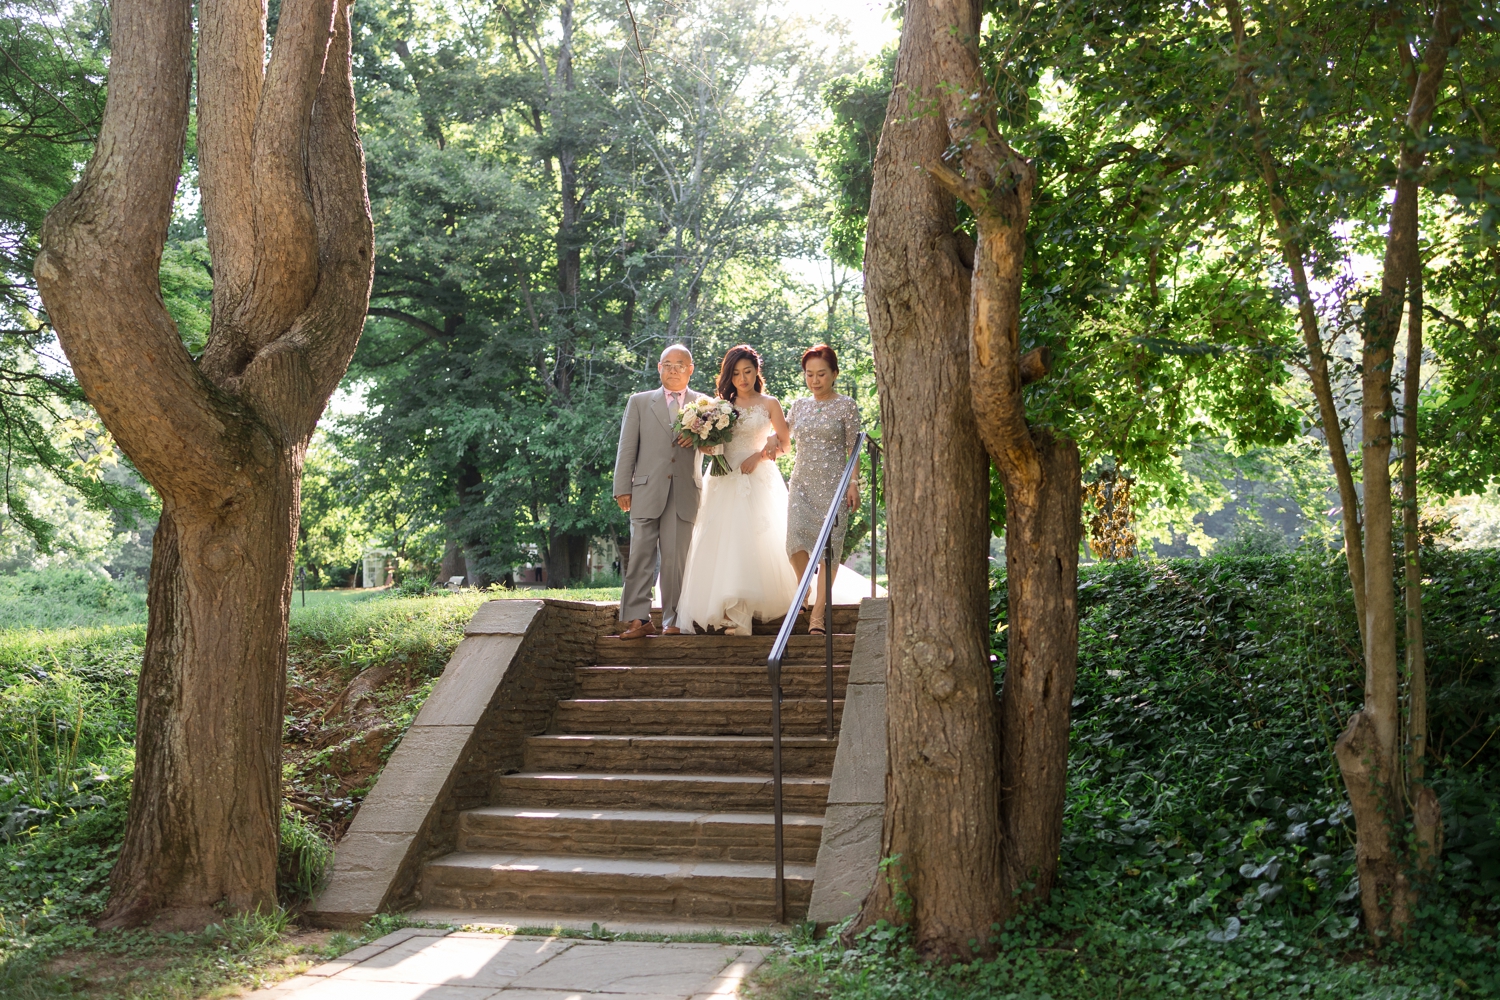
(1368,751)
(222,440)
(1317,361)
(1369,748)
(1427,814)
(941,819)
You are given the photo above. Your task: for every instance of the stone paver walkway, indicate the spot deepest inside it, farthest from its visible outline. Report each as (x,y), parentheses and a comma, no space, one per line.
(428,964)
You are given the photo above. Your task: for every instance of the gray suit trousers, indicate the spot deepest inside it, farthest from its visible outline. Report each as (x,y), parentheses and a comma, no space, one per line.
(655,543)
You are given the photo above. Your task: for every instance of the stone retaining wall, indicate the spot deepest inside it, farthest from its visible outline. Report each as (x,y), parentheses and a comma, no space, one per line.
(849,854)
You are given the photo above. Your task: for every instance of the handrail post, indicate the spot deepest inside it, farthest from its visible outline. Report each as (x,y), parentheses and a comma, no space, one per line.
(828,624)
(823,550)
(776,788)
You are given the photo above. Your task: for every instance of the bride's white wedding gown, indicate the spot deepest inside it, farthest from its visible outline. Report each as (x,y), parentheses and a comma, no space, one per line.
(737,567)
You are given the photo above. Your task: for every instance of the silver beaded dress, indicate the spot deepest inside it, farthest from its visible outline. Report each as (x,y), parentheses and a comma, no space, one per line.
(824,433)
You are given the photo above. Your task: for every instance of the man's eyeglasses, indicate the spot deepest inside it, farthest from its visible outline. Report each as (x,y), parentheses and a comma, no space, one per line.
(673,367)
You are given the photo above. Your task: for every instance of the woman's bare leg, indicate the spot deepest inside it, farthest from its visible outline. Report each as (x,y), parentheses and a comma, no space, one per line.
(799,563)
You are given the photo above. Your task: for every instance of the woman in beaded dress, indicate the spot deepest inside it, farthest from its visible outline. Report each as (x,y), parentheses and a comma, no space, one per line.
(824,428)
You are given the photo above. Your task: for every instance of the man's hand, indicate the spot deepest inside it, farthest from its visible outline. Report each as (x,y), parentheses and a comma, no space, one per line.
(624,501)
(683,441)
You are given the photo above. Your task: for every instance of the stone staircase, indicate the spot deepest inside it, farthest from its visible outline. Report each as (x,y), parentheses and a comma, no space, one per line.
(650,796)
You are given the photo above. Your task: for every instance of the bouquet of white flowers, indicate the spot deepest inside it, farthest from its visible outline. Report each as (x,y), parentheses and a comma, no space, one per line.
(706,422)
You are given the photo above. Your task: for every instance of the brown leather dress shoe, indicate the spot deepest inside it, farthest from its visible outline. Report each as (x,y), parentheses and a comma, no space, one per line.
(639,629)
(671,630)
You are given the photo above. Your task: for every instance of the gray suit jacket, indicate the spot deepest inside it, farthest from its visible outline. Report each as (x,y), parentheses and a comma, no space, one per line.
(649,461)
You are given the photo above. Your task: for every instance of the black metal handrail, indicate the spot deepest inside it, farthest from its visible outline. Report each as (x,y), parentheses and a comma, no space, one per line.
(778,651)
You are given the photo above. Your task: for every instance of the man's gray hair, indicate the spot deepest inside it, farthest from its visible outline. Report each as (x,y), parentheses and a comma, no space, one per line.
(676,347)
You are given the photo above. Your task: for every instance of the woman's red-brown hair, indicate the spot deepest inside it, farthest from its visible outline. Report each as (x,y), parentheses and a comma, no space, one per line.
(821,351)
(736,354)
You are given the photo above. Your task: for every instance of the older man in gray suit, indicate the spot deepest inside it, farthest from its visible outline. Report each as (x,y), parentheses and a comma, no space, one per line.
(657,481)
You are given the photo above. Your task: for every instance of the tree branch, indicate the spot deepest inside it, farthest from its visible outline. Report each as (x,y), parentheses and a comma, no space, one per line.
(326,332)
(1292,254)
(407,318)
(997,184)
(99,267)
(231,67)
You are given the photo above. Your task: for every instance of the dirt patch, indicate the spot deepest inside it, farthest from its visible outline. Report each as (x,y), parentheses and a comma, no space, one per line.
(116,966)
(341,724)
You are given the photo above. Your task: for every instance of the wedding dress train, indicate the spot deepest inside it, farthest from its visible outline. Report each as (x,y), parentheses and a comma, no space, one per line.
(737,568)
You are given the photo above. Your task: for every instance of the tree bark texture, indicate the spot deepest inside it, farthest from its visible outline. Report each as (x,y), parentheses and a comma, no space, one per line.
(941,821)
(567,555)
(1369,750)
(1040,472)
(222,440)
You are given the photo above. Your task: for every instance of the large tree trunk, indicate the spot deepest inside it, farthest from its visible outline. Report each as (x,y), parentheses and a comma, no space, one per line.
(566,558)
(453,562)
(941,819)
(221,440)
(200,822)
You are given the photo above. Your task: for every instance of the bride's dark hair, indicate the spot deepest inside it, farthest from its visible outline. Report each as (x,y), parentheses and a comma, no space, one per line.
(734,356)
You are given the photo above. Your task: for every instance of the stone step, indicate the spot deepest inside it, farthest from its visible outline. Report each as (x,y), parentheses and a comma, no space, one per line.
(694,716)
(744,650)
(586,790)
(845,617)
(807,755)
(613,887)
(705,680)
(639,833)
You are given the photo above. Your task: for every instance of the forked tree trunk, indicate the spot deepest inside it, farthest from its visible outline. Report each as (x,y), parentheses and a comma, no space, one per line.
(941,818)
(1369,750)
(1041,474)
(222,440)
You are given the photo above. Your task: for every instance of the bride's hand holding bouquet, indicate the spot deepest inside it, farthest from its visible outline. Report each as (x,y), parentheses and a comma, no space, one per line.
(708,423)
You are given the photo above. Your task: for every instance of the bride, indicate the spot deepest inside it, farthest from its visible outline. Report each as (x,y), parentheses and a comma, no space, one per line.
(736,569)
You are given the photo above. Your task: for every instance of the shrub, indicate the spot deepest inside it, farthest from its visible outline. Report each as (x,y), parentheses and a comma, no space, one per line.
(302,858)
(1206,846)
(68,598)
